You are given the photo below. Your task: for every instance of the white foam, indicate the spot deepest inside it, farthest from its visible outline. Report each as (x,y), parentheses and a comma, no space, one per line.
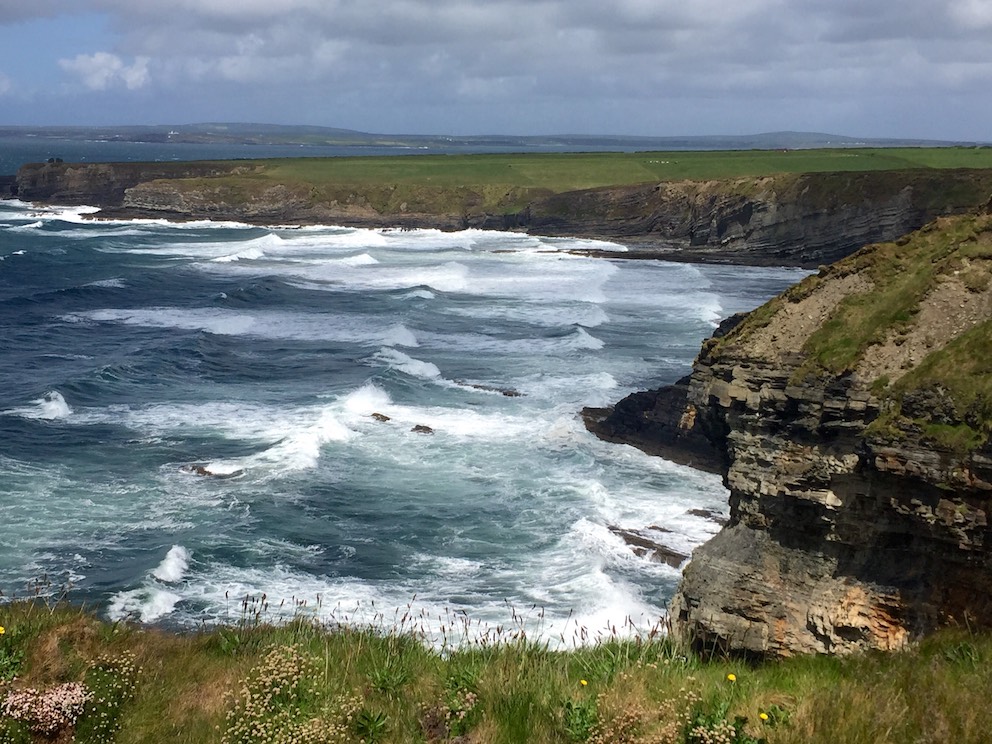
(248,254)
(366,400)
(298,449)
(108,283)
(588,315)
(173,566)
(583,340)
(350,328)
(362,259)
(408,365)
(50,407)
(147,604)
(399,335)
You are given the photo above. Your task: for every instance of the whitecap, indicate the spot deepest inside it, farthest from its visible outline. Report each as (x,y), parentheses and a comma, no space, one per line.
(408,365)
(362,259)
(399,335)
(583,340)
(50,407)
(107,283)
(173,566)
(248,254)
(366,400)
(147,604)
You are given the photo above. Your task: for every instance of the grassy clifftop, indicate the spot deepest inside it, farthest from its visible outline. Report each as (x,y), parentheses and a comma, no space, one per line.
(67,676)
(505,183)
(910,319)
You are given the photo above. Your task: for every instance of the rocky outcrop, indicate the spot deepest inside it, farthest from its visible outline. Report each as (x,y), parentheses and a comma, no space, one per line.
(8,187)
(803,220)
(104,184)
(860,481)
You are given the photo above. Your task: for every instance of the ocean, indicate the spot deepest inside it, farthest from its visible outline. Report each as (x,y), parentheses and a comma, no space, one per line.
(355,424)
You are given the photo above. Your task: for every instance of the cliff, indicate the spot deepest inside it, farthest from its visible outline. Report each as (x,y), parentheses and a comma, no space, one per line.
(786,219)
(854,414)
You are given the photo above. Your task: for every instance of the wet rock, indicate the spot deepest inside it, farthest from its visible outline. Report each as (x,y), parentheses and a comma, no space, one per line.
(645,544)
(422,429)
(381,417)
(709,514)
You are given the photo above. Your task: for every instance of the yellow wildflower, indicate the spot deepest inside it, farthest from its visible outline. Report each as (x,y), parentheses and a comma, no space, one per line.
(2,630)
(731,677)
(583,682)
(763,716)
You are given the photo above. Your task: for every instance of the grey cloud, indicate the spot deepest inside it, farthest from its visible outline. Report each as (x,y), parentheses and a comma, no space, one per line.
(552,61)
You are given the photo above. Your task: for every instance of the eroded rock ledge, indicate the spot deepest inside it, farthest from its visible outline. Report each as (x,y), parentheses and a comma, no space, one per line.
(801,220)
(860,481)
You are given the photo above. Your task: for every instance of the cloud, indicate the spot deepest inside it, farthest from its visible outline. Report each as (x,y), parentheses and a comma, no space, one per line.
(103,70)
(542,63)
(5,84)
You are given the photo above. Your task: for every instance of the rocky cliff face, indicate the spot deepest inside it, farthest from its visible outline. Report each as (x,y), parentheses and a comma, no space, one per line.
(803,220)
(858,455)
(787,220)
(104,184)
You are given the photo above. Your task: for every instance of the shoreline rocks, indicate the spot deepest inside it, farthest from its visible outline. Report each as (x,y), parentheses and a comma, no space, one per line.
(786,220)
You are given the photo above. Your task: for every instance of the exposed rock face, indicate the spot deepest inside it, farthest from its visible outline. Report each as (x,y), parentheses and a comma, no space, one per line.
(8,187)
(845,535)
(803,220)
(787,220)
(104,184)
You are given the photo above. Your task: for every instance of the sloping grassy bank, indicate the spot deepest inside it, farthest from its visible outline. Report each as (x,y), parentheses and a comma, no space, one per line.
(506,183)
(66,676)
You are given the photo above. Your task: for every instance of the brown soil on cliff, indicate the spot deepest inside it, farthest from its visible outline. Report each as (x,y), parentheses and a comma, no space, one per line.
(801,315)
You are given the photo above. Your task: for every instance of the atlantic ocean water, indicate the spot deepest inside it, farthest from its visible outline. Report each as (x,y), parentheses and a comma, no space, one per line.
(195,413)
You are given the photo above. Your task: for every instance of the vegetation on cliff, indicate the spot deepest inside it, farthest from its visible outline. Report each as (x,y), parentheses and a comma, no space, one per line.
(67,676)
(916,330)
(506,183)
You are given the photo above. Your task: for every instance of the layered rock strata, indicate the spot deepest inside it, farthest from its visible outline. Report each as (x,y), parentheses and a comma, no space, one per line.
(803,220)
(858,520)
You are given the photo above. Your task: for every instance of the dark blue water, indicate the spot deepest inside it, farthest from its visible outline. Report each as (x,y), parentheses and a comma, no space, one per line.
(16,151)
(191,413)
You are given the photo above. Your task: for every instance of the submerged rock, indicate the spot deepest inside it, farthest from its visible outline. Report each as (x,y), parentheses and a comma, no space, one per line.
(645,543)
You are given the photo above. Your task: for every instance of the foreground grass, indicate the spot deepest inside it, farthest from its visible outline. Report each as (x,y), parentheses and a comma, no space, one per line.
(303,683)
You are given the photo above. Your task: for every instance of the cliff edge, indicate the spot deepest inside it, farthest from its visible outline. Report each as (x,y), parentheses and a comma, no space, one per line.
(854,414)
(786,219)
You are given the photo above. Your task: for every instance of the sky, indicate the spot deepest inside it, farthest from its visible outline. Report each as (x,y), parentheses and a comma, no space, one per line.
(864,68)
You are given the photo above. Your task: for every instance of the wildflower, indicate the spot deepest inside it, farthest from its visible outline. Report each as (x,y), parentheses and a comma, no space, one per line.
(731,677)
(2,630)
(763,716)
(583,682)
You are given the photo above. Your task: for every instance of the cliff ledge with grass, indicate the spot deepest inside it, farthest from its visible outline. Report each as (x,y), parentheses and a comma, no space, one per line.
(850,417)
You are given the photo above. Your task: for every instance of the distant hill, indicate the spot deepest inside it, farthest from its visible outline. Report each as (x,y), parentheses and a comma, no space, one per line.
(276,134)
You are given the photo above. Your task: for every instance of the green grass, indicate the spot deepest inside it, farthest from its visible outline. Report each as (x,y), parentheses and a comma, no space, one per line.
(571,171)
(301,682)
(902,274)
(506,183)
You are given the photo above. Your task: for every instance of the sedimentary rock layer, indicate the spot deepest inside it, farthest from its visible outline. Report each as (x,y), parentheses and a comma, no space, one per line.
(860,481)
(801,220)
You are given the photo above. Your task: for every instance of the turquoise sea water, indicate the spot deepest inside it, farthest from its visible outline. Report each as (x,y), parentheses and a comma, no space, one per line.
(186,418)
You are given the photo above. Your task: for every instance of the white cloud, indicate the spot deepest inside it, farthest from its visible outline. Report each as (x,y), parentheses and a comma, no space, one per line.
(481,62)
(5,84)
(103,70)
